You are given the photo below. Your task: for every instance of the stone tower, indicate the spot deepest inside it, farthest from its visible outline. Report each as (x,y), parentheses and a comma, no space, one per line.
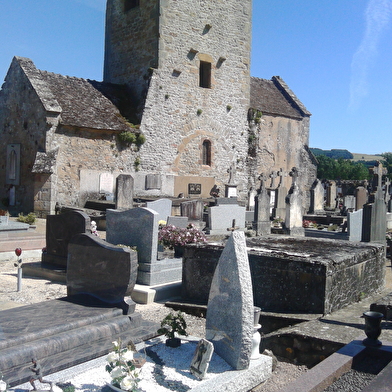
(187,64)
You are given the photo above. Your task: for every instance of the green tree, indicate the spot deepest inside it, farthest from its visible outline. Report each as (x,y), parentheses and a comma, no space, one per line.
(387,162)
(342,169)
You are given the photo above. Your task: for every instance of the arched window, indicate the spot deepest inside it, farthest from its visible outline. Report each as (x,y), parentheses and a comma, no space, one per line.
(207,153)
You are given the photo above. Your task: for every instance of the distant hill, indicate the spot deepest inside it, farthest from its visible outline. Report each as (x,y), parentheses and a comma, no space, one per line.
(366,157)
(345,154)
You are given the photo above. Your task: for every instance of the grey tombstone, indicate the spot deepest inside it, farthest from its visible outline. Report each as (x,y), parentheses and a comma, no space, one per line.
(294,217)
(354,225)
(201,358)
(374,224)
(223,218)
(361,197)
(59,231)
(178,221)
(317,198)
(106,183)
(279,210)
(101,270)
(262,209)
(193,209)
(229,323)
(162,206)
(331,194)
(349,202)
(136,227)
(124,192)
(251,199)
(219,201)
(389,220)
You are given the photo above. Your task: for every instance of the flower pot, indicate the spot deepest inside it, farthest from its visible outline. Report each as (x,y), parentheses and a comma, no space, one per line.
(372,328)
(173,342)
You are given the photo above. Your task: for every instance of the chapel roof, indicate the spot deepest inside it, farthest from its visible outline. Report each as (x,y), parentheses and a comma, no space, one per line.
(80,102)
(275,97)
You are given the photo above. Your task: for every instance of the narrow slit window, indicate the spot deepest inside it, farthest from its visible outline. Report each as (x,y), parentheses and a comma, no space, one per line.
(129,4)
(205,74)
(207,153)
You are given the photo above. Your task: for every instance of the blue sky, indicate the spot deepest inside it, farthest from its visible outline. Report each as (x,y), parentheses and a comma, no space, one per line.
(335,55)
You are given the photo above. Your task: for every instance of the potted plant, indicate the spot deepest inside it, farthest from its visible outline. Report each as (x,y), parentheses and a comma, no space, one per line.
(172,324)
(122,368)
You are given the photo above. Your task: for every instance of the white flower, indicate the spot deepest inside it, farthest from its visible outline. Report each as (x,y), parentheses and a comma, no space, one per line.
(128,383)
(117,372)
(116,344)
(128,356)
(112,357)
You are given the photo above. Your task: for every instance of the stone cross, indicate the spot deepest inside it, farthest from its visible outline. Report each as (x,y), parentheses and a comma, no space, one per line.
(231,171)
(378,171)
(272,176)
(263,178)
(386,191)
(281,173)
(294,174)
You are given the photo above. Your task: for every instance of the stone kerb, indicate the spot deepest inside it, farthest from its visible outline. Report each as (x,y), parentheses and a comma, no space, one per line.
(101,270)
(229,323)
(136,227)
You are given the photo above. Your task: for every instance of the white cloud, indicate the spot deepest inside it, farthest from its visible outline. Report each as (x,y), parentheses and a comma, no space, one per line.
(377,17)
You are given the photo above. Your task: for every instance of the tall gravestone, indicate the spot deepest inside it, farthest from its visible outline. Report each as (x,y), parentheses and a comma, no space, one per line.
(229,323)
(331,194)
(162,206)
(262,209)
(361,197)
(294,218)
(354,225)
(279,209)
(59,231)
(124,192)
(317,197)
(374,224)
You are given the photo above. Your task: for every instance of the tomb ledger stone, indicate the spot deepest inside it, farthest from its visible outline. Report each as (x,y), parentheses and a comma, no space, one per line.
(229,324)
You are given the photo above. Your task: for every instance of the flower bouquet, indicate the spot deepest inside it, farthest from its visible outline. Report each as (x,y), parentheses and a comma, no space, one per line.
(170,236)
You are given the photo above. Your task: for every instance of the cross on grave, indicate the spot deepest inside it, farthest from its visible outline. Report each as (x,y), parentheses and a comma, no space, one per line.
(294,174)
(281,173)
(262,178)
(378,171)
(272,176)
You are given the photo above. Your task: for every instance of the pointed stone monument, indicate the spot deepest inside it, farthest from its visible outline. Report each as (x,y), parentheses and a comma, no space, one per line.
(229,324)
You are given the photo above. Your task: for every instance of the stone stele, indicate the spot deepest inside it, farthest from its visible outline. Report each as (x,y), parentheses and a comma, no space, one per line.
(201,358)
(229,324)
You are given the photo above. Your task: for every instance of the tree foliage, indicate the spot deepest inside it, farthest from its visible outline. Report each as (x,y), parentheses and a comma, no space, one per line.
(387,162)
(340,169)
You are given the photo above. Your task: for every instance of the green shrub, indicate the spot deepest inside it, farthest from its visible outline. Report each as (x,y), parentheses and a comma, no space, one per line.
(30,218)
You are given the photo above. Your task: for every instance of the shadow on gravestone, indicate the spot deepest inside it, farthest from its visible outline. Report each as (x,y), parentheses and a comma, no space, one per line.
(101,270)
(229,323)
(59,231)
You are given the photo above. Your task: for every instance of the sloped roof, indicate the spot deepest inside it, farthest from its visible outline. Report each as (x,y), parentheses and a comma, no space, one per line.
(275,97)
(80,102)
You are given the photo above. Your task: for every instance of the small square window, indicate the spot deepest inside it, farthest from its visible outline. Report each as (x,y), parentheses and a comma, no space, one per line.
(129,4)
(205,74)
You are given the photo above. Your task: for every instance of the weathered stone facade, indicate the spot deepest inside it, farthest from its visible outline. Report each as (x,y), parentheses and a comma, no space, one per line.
(181,72)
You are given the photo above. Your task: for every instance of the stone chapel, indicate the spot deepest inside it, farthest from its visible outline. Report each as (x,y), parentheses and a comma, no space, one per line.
(177,108)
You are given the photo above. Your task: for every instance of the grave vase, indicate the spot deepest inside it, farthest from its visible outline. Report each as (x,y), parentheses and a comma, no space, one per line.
(178,251)
(372,328)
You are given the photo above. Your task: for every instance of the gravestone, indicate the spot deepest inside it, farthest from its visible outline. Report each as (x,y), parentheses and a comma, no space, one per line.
(317,198)
(229,323)
(223,218)
(262,209)
(192,209)
(349,202)
(251,199)
(220,201)
(178,221)
(231,187)
(136,227)
(124,192)
(153,181)
(162,206)
(331,194)
(279,210)
(201,358)
(101,270)
(354,225)
(389,220)
(374,213)
(59,231)
(294,218)
(106,183)
(361,197)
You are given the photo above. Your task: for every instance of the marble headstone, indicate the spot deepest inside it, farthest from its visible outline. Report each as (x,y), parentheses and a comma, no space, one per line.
(317,197)
(229,323)
(162,206)
(59,231)
(178,221)
(136,227)
(222,218)
(262,211)
(293,221)
(354,225)
(101,270)
(201,358)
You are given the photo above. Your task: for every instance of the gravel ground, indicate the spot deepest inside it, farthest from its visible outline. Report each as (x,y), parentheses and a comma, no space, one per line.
(38,290)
